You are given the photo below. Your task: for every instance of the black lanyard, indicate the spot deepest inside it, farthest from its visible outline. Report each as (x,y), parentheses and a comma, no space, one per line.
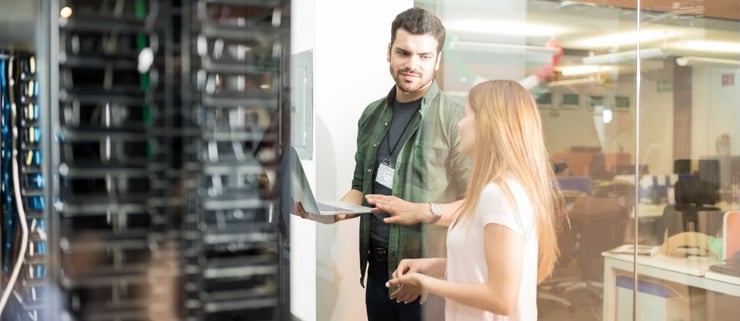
(391,149)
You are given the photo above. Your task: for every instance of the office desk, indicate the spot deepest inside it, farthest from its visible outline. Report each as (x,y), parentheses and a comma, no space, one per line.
(648,211)
(648,215)
(692,272)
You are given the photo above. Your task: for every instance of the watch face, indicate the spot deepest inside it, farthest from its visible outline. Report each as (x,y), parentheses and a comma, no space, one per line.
(436,209)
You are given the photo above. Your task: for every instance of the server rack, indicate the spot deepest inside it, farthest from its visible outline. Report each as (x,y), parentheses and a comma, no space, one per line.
(148,146)
(23,223)
(111,237)
(236,81)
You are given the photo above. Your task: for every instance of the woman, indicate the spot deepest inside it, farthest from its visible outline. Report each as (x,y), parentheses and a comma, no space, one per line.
(503,242)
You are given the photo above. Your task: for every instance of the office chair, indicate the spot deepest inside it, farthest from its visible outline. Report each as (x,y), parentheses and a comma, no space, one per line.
(599,221)
(692,197)
(693,211)
(552,289)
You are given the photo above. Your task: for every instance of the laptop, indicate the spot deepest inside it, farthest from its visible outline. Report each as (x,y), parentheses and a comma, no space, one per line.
(301,192)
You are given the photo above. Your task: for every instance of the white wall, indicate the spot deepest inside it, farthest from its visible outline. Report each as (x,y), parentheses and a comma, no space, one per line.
(303,232)
(579,127)
(715,110)
(656,121)
(349,40)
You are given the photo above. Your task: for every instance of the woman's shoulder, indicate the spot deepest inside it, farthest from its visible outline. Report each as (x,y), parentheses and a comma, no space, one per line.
(493,192)
(495,187)
(491,189)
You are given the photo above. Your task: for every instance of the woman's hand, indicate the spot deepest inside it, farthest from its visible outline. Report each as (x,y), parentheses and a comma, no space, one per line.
(408,266)
(409,287)
(407,278)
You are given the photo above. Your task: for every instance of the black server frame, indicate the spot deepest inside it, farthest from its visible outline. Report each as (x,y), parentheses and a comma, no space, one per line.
(151,162)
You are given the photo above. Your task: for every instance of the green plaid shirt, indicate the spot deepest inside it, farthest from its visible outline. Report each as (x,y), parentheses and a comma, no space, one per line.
(429,168)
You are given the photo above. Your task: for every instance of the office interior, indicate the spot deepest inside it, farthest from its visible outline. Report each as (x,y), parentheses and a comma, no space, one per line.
(142,142)
(642,99)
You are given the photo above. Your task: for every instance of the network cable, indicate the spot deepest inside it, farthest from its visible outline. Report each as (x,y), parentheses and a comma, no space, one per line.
(18,201)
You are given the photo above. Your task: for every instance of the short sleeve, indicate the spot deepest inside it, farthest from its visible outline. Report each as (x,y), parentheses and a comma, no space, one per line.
(494,207)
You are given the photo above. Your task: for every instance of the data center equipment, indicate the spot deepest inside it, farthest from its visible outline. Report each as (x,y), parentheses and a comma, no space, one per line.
(140,160)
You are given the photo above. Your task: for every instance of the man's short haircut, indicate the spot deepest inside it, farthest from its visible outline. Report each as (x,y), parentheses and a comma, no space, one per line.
(418,21)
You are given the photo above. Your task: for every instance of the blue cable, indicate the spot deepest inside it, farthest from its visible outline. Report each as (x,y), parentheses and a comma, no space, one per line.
(35,181)
(41,244)
(7,144)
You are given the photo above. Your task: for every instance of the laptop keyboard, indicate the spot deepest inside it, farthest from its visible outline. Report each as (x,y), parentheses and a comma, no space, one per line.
(330,208)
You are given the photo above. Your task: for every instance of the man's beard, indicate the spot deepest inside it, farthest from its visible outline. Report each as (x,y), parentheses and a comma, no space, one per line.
(410,87)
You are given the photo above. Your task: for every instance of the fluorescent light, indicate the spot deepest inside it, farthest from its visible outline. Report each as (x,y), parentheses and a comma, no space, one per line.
(607,116)
(508,28)
(501,47)
(623,56)
(707,46)
(585,70)
(626,38)
(693,61)
(577,81)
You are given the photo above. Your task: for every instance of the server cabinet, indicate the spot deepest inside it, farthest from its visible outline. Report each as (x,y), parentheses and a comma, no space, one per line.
(236,81)
(141,152)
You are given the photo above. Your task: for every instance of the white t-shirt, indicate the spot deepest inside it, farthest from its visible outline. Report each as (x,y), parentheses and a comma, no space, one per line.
(466,261)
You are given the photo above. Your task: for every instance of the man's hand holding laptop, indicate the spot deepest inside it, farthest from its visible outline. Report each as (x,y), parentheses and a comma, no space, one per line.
(352,197)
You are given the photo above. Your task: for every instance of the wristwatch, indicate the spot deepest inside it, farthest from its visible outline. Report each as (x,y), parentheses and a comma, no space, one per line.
(436,212)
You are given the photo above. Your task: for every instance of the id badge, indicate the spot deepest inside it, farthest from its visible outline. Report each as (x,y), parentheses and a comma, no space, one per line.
(385,175)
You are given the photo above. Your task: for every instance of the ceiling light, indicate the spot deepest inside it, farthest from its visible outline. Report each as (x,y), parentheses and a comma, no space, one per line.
(65,12)
(501,47)
(585,70)
(566,3)
(574,82)
(623,56)
(626,38)
(508,28)
(708,46)
(607,116)
(694,61)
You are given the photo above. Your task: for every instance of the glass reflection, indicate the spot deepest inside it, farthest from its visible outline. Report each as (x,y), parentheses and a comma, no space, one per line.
(639,118)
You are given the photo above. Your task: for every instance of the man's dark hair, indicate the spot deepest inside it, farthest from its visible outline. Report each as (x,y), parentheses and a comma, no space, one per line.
(418,21)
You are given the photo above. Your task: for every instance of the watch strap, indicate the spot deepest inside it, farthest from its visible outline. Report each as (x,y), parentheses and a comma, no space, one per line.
(436,213)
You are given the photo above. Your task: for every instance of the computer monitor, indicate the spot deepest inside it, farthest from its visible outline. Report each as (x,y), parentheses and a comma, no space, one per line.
(714,170)
(575,183)
(682,166)
(709,170)
(730,170)
(694,209)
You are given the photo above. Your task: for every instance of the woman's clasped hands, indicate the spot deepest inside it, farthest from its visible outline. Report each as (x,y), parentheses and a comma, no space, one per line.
(410,277)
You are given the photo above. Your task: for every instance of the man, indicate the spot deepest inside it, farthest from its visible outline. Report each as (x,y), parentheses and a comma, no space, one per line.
(407,146)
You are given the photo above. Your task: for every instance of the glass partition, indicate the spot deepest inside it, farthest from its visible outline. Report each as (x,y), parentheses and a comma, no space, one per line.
(686,124)
(639,117)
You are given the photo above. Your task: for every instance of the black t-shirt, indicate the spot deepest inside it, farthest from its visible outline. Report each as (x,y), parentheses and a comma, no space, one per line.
(398,133)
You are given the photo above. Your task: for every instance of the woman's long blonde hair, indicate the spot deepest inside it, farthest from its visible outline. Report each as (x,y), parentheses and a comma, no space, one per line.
(510,145)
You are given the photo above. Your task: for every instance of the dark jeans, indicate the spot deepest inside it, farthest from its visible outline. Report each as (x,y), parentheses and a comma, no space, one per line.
(377,301)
